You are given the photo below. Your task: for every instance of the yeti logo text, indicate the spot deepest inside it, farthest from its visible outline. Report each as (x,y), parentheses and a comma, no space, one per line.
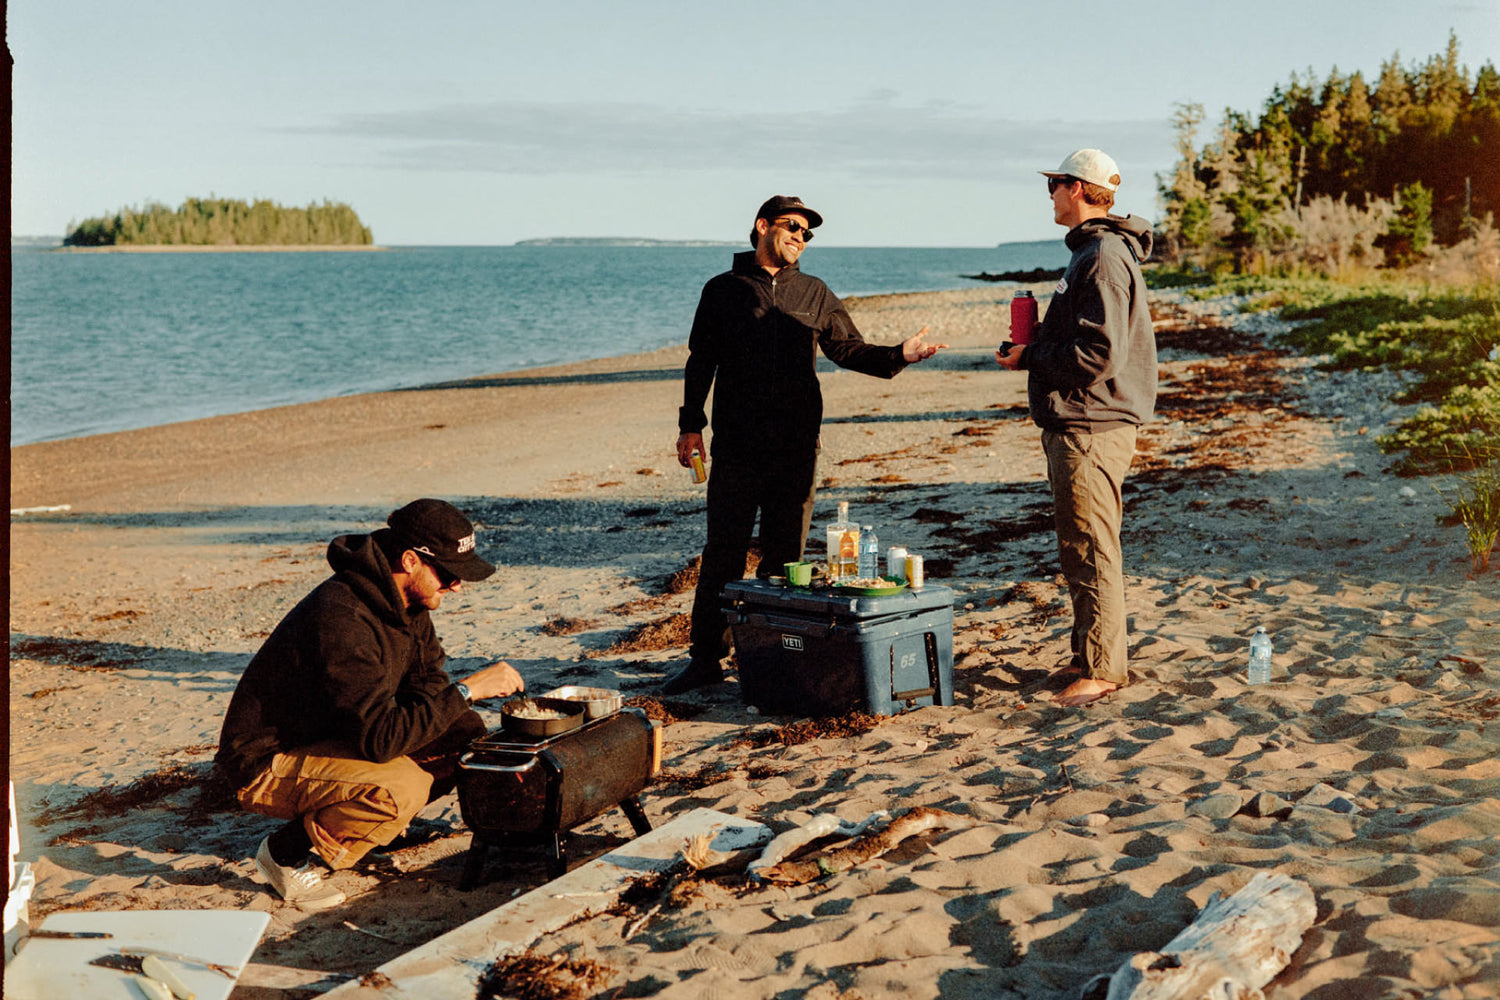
(791,642)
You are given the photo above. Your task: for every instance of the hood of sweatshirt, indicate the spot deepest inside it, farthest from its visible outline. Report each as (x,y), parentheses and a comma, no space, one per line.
(361,565)
(1134,230)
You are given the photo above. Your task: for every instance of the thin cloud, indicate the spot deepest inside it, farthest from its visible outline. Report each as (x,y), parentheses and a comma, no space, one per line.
(875,136)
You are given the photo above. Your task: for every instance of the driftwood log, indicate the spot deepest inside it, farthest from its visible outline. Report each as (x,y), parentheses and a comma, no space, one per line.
(1233,948)
(919,820)
(820,826)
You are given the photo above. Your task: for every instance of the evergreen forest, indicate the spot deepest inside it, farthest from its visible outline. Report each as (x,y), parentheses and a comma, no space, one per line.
(223,222)
(1339,174)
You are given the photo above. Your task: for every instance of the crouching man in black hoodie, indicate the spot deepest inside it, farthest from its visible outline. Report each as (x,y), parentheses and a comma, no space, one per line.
(345,724)
(1092,383)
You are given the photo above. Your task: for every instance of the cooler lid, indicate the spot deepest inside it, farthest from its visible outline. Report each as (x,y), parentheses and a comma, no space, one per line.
(828,603)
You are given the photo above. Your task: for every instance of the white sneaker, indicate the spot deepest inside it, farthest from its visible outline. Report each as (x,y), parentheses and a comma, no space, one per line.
(303,886)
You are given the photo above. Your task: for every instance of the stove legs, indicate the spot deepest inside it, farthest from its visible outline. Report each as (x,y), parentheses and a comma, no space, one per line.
(557,856)
(557,846)
(473,864)
(557,859)
(637,816)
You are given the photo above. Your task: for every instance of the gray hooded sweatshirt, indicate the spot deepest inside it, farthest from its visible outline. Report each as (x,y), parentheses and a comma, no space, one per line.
(1092,363)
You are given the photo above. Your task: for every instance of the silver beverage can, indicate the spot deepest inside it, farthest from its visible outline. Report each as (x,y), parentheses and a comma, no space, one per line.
(914,572)
(895,562)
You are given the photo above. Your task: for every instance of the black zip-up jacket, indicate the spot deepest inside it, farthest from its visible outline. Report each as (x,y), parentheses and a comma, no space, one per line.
(350,661)
(755,340)
(1093,363)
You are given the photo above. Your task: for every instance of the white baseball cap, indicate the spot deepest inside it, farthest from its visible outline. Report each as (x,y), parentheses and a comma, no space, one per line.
(1092,165)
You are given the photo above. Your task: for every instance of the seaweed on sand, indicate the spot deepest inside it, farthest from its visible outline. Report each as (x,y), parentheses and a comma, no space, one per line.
(530,976)
(670,632)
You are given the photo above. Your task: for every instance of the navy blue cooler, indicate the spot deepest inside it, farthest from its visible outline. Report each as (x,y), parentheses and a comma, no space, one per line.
(820,652)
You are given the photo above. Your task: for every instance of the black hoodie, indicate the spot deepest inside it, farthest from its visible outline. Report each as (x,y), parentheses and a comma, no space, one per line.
(349,662)
(1093,361)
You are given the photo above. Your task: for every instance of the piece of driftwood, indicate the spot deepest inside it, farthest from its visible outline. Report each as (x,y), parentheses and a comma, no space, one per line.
(699,855)
(820,826)
(918,820)
(1233,948)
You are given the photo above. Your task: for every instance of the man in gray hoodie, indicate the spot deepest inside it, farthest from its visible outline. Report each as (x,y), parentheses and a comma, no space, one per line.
(1091,384)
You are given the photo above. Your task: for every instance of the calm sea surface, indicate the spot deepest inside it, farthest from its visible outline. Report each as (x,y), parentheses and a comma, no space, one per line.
(107,342)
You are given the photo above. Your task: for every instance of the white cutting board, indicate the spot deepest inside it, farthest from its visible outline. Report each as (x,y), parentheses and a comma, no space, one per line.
(52,968)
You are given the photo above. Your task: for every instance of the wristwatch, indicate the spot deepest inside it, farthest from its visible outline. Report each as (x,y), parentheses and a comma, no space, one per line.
(463,689)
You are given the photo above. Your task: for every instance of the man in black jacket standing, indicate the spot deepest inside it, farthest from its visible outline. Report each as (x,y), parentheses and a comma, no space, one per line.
(345,724)
(1092,383)
(755,338)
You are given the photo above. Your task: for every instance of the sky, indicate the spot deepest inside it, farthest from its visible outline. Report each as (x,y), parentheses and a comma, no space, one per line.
(483,123)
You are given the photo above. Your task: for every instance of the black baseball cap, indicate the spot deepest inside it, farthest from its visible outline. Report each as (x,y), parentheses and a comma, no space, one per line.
(785,204)
(439,531)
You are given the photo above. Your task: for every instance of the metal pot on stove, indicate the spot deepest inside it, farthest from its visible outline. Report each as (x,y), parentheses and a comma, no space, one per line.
(541,717)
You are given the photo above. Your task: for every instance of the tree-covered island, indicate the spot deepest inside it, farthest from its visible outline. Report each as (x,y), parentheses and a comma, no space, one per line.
(224,222)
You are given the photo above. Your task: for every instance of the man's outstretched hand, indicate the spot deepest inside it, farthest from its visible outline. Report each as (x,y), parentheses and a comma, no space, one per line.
(916,348)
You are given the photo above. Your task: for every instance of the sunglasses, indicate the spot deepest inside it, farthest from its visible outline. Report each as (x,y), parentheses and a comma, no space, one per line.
(1053,183)
(446,580)
(794,227)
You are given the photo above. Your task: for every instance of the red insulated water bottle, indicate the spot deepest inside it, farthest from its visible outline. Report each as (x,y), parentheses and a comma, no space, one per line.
(1022,317)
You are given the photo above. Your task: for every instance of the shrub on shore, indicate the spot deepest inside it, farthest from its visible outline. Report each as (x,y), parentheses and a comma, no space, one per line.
(1447,335)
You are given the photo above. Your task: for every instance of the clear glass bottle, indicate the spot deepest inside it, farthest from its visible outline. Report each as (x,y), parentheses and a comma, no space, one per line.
(1260,656)
(869,553)
(843,545)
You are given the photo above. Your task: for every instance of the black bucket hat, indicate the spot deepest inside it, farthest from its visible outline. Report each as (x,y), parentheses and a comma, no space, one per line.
(439,531)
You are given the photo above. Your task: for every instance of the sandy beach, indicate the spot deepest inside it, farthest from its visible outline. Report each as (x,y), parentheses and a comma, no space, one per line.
(147,567)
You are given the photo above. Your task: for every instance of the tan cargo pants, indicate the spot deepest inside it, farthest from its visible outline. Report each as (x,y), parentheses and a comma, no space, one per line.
(1087,472)
(348,804)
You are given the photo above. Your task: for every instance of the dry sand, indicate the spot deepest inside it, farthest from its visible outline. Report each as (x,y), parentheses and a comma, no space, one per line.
(1365,769)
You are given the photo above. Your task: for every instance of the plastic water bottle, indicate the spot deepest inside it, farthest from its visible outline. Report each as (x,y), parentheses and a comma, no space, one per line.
(1260,656)
(869,553)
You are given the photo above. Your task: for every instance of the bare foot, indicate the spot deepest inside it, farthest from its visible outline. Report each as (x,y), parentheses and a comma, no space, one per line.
(1084,691)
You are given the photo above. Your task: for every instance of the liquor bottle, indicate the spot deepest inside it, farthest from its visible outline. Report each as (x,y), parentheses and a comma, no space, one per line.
(843,545)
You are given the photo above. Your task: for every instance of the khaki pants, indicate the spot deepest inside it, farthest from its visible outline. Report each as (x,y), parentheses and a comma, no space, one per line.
(1086,472)
(348,805)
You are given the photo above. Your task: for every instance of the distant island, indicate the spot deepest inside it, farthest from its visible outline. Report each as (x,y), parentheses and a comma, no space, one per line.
(224,224)
(617,241)
(1033,275)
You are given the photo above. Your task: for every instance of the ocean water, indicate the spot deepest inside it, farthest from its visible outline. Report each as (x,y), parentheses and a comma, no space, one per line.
(108,342)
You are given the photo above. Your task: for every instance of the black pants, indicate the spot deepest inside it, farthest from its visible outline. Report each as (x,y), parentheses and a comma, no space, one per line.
(781,488)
